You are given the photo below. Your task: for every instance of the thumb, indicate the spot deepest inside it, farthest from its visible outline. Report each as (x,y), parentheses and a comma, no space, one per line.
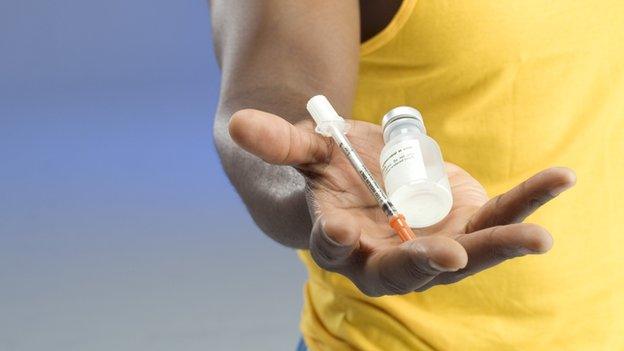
(275,140)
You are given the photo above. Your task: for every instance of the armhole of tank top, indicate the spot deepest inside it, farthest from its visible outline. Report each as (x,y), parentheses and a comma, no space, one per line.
(391,30)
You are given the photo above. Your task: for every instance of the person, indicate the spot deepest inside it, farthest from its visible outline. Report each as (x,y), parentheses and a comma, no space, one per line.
(508,89)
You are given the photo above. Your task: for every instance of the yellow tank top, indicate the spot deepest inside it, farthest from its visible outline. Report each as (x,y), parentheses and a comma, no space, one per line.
(507,88)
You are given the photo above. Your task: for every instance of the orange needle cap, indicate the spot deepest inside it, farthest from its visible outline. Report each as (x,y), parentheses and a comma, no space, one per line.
(400,226)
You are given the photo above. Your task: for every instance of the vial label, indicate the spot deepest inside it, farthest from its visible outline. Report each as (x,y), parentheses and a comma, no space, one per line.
(401,164)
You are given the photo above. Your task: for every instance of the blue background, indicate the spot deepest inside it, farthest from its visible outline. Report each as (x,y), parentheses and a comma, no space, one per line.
(114,210)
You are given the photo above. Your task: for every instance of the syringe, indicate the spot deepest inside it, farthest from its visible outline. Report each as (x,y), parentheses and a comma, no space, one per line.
(330,124)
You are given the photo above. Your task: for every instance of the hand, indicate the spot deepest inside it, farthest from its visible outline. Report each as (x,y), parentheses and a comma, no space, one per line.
(351,234)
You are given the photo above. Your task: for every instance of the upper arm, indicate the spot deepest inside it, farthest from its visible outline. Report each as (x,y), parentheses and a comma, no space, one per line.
(275,54)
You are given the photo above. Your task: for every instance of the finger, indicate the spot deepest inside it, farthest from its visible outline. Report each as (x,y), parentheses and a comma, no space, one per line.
(275,140)
(492,246)
(334,240)
(407,267)
(518,203)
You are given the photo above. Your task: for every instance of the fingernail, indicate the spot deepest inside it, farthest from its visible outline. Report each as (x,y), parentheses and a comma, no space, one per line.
(440,268)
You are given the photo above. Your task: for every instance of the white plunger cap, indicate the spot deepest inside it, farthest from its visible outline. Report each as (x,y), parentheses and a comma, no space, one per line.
(325,116)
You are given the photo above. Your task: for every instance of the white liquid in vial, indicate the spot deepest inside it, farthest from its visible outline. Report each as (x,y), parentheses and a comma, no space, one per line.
(414,174)
(423,203)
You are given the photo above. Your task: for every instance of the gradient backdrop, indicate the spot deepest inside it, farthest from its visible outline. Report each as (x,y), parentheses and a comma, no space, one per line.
(114,210)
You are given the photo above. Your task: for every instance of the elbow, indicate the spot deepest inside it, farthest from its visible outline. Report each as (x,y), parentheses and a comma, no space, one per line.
(220,134)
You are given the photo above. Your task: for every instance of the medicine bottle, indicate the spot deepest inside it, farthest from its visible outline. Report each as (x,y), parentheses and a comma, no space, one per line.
(413,169)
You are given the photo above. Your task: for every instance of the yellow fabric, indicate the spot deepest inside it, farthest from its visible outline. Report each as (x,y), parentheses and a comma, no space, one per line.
(507,88)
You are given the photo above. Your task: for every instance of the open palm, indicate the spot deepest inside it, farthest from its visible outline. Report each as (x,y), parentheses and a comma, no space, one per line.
(351,234)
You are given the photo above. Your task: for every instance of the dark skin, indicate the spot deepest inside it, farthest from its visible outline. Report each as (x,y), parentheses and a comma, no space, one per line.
(302,191)
(375,16)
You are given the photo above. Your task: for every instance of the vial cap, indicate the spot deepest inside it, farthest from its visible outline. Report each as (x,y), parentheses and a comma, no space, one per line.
(402,112)
(325,115)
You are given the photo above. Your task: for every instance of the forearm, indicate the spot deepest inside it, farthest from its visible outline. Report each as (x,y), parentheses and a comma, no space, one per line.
(274,195)
(274,56)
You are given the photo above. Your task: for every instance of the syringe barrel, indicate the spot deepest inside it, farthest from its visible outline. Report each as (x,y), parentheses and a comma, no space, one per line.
(329,123)
(357,163)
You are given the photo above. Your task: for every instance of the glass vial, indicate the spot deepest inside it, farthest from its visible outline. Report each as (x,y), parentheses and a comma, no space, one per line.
(413,169)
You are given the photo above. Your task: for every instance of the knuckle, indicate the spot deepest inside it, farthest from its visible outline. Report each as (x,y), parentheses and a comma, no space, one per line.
(417,272)
(528,228)
(500,250)
(395,283)
(539,200)
(324,153)
(452,278)
(327,259)
(393,286)
(524,187)
(368,289)
(423,288)
(497,208)
(307,124)
(502,253)
(323,257)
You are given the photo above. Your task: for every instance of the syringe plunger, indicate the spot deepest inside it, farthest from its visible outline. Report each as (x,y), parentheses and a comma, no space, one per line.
(325,116)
